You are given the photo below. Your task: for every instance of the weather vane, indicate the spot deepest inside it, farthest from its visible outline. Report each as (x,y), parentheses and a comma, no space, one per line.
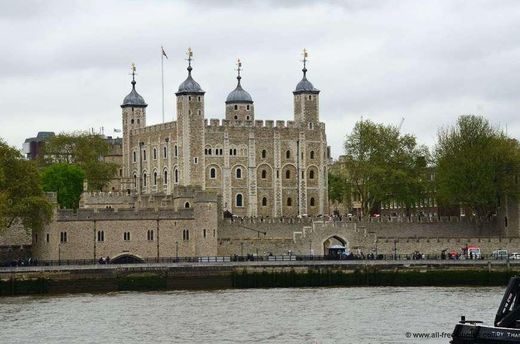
(190,56)
(132,68)
(239,66)
(305,56)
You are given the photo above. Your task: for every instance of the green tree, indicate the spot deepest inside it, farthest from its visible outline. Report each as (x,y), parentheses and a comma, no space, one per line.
(67,181)
(84,150)
(382,165)
(477,165)
(21,196)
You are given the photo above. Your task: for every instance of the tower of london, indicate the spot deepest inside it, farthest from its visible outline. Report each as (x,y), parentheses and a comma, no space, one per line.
(259,168)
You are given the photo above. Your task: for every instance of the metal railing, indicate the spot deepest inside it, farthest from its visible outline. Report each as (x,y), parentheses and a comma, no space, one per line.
(247,258)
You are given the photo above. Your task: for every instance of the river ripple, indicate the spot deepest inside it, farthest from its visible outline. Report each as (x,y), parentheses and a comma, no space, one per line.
(307,315)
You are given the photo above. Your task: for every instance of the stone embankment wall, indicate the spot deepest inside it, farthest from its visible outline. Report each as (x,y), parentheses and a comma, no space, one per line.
(15,243)
(105,278)
(307,236)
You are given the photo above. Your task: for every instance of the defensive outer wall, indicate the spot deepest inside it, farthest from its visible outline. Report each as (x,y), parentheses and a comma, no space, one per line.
(384,236)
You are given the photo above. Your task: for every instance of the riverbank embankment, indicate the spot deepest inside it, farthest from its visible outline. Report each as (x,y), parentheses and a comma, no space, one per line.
(222,275)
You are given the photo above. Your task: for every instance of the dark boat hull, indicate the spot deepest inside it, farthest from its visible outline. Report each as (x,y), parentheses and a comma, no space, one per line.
(475,334)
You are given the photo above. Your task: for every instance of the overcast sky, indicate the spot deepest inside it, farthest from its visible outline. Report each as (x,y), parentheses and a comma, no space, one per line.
(65,65)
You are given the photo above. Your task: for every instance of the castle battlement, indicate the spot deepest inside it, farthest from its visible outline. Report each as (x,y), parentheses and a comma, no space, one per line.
(155,128)
(220,124)
(123,214)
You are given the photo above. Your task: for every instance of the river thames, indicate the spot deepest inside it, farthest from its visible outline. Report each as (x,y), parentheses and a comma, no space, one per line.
(307,315)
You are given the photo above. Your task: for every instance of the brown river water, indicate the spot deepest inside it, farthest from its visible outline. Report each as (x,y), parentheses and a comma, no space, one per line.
(307,315)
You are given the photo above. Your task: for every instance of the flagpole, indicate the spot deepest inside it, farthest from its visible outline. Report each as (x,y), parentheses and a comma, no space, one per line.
(162,81)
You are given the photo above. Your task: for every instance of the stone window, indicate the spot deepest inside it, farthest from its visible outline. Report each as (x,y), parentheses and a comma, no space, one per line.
(189,112)
(212,173)
(144,155)
(195,160)
(312,202)
(135,157)
(176,176)
(264,153)
(165,152)
(214,233)
(198,98)
(47,237)
(204,233)
(175,151)
(289,202)
(288,154)
(310,97)
(186,234)
(154,177)
(149,235)
(239,200)
(132,121)
(264,202)
(236,117)
(120,172)
(36,237)
(288,174)
(248,109)
(239,173)
(144,179)
(155,153)
(138,121)
(63,237)
(310,125)
(247,117)
(101,236)
(264,174)
(189,98)
(126,236)
(311,174)
(236,108)
(312,154)
(165,177)
(187,205)
(277,174)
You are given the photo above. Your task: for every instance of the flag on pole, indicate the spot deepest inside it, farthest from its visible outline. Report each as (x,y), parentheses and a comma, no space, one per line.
(163,52)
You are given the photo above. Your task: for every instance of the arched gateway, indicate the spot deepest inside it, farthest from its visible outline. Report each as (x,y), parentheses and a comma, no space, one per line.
(126,258)
(335,246)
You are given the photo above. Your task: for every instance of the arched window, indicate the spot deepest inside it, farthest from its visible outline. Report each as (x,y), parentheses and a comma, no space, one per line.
(264,202)
(288,174)
(144,155)
(264,153)
(234,151)
(264,174)
(213,173)
(312,154)
(155,153)
(155,178)
(239,173)
(288,154)
(144,179)
(236,108)
(248,109)
(132,121)
(204,233)
(135,157)
(239,200)
(135,181)
(175,150)
(165,177)
(165,152)
(311,174)
(289,202)
(187,205)
(176,175)
(312,201)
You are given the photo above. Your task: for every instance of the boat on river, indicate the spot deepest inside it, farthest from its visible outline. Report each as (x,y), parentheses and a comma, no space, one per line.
(506,327)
